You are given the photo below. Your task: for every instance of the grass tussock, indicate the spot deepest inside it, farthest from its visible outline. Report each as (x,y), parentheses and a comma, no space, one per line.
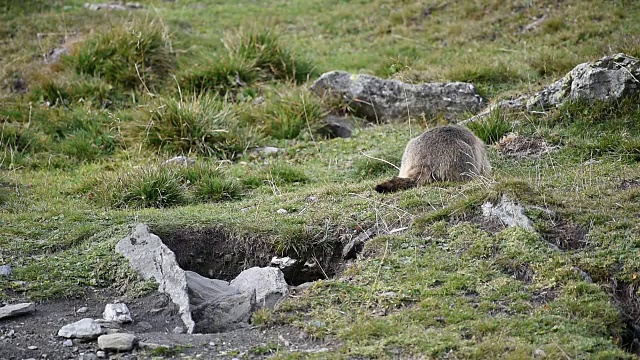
(265,50)
(221,75)
(292,115)
(491,128)
(157,187)
(201,125)
(132,56)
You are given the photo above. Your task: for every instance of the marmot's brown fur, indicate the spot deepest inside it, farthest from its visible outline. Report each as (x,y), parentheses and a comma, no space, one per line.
(445,153)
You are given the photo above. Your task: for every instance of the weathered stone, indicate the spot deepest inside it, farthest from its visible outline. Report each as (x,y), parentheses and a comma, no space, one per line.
(336,126)
(8,311)
(216,306)
(180,160)
(268,283)
(264,151)
(380,100)
(611,77)
(154,260)
(117,312)
(84,329)
(113,6)
(508,212)
(82,310)
(88,356)
(5,270)
(117,342)
(67,343)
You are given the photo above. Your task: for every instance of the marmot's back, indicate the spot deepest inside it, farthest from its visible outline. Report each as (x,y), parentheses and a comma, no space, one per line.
(446,153)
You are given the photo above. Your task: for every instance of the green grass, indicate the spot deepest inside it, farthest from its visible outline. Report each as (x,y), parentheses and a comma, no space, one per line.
(81,152)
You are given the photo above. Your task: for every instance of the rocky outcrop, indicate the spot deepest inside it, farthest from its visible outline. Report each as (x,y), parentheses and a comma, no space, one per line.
(152,259)
(381,100)
(610,78)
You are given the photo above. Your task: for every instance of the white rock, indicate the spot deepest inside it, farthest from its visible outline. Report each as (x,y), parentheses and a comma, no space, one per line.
(117,342)
(509,212)
(5,270)
(82,310)
(16,309)
(117,312)
(32,347)
(101,354)
(67,343)
(268,283)
(82,329)
(282,211)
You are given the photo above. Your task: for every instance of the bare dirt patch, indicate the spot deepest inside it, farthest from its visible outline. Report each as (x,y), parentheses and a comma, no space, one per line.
(520,146)
(628,302)
(566,235)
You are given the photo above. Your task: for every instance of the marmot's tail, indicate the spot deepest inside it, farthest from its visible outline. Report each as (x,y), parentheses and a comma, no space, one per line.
(395,184)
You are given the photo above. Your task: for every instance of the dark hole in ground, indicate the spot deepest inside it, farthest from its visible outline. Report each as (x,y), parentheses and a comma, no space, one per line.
(521,272)
(628,302)
(566,235)
(216,253)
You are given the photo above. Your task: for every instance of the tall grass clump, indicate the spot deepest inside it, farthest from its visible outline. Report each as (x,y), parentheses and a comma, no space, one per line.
(264,48)
(132,56)
(199,125)
(149,188)
(90,91)
(217,188)
(292,115)
(222,75)
(491,128)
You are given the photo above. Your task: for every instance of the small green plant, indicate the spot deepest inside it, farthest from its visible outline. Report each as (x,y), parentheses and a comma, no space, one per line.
(158,188)
(197,125)
(133,56)
(217,188)
(289,117)
(284,173)
(492,128)
(553,62)
(265,50)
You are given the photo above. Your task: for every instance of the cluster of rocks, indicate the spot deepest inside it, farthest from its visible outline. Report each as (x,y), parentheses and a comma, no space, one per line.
(205,305)
(609,78)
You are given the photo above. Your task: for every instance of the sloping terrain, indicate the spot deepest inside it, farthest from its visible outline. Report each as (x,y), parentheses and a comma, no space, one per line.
(85,134)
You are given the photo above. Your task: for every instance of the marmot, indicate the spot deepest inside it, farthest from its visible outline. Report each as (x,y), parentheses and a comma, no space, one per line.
(445,153)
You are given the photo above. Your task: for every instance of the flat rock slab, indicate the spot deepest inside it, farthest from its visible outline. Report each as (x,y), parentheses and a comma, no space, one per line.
(152,259)
(382,100)
(85,329)
(268,284)
(16,310)
(218,307)
(117,342)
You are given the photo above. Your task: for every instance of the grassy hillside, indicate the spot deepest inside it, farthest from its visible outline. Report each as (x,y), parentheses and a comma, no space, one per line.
(83,139)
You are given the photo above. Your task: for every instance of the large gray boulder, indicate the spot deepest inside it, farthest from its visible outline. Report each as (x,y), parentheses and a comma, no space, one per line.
(216,306)
(381,100)
(268,283)
(611,77)
(152,259)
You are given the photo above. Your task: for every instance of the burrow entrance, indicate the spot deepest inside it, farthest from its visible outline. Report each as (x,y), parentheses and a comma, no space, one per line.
(215,252)
(628,302)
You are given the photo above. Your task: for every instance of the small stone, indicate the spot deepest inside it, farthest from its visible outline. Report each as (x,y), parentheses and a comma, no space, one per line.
(67,343)
(5,270)
(539,353)
(117,342)
(87,356)
(82,310)
(82,329)
(145,326)
(180,160)
(16,309)
(282,211)
(32,347)
(101,354)
(178,330)
(117,312)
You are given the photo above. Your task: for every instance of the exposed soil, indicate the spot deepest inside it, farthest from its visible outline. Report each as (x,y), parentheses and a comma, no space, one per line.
(629,184)
(628,302)
(155,318)
(216,253)
(566,235)
(520,146)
